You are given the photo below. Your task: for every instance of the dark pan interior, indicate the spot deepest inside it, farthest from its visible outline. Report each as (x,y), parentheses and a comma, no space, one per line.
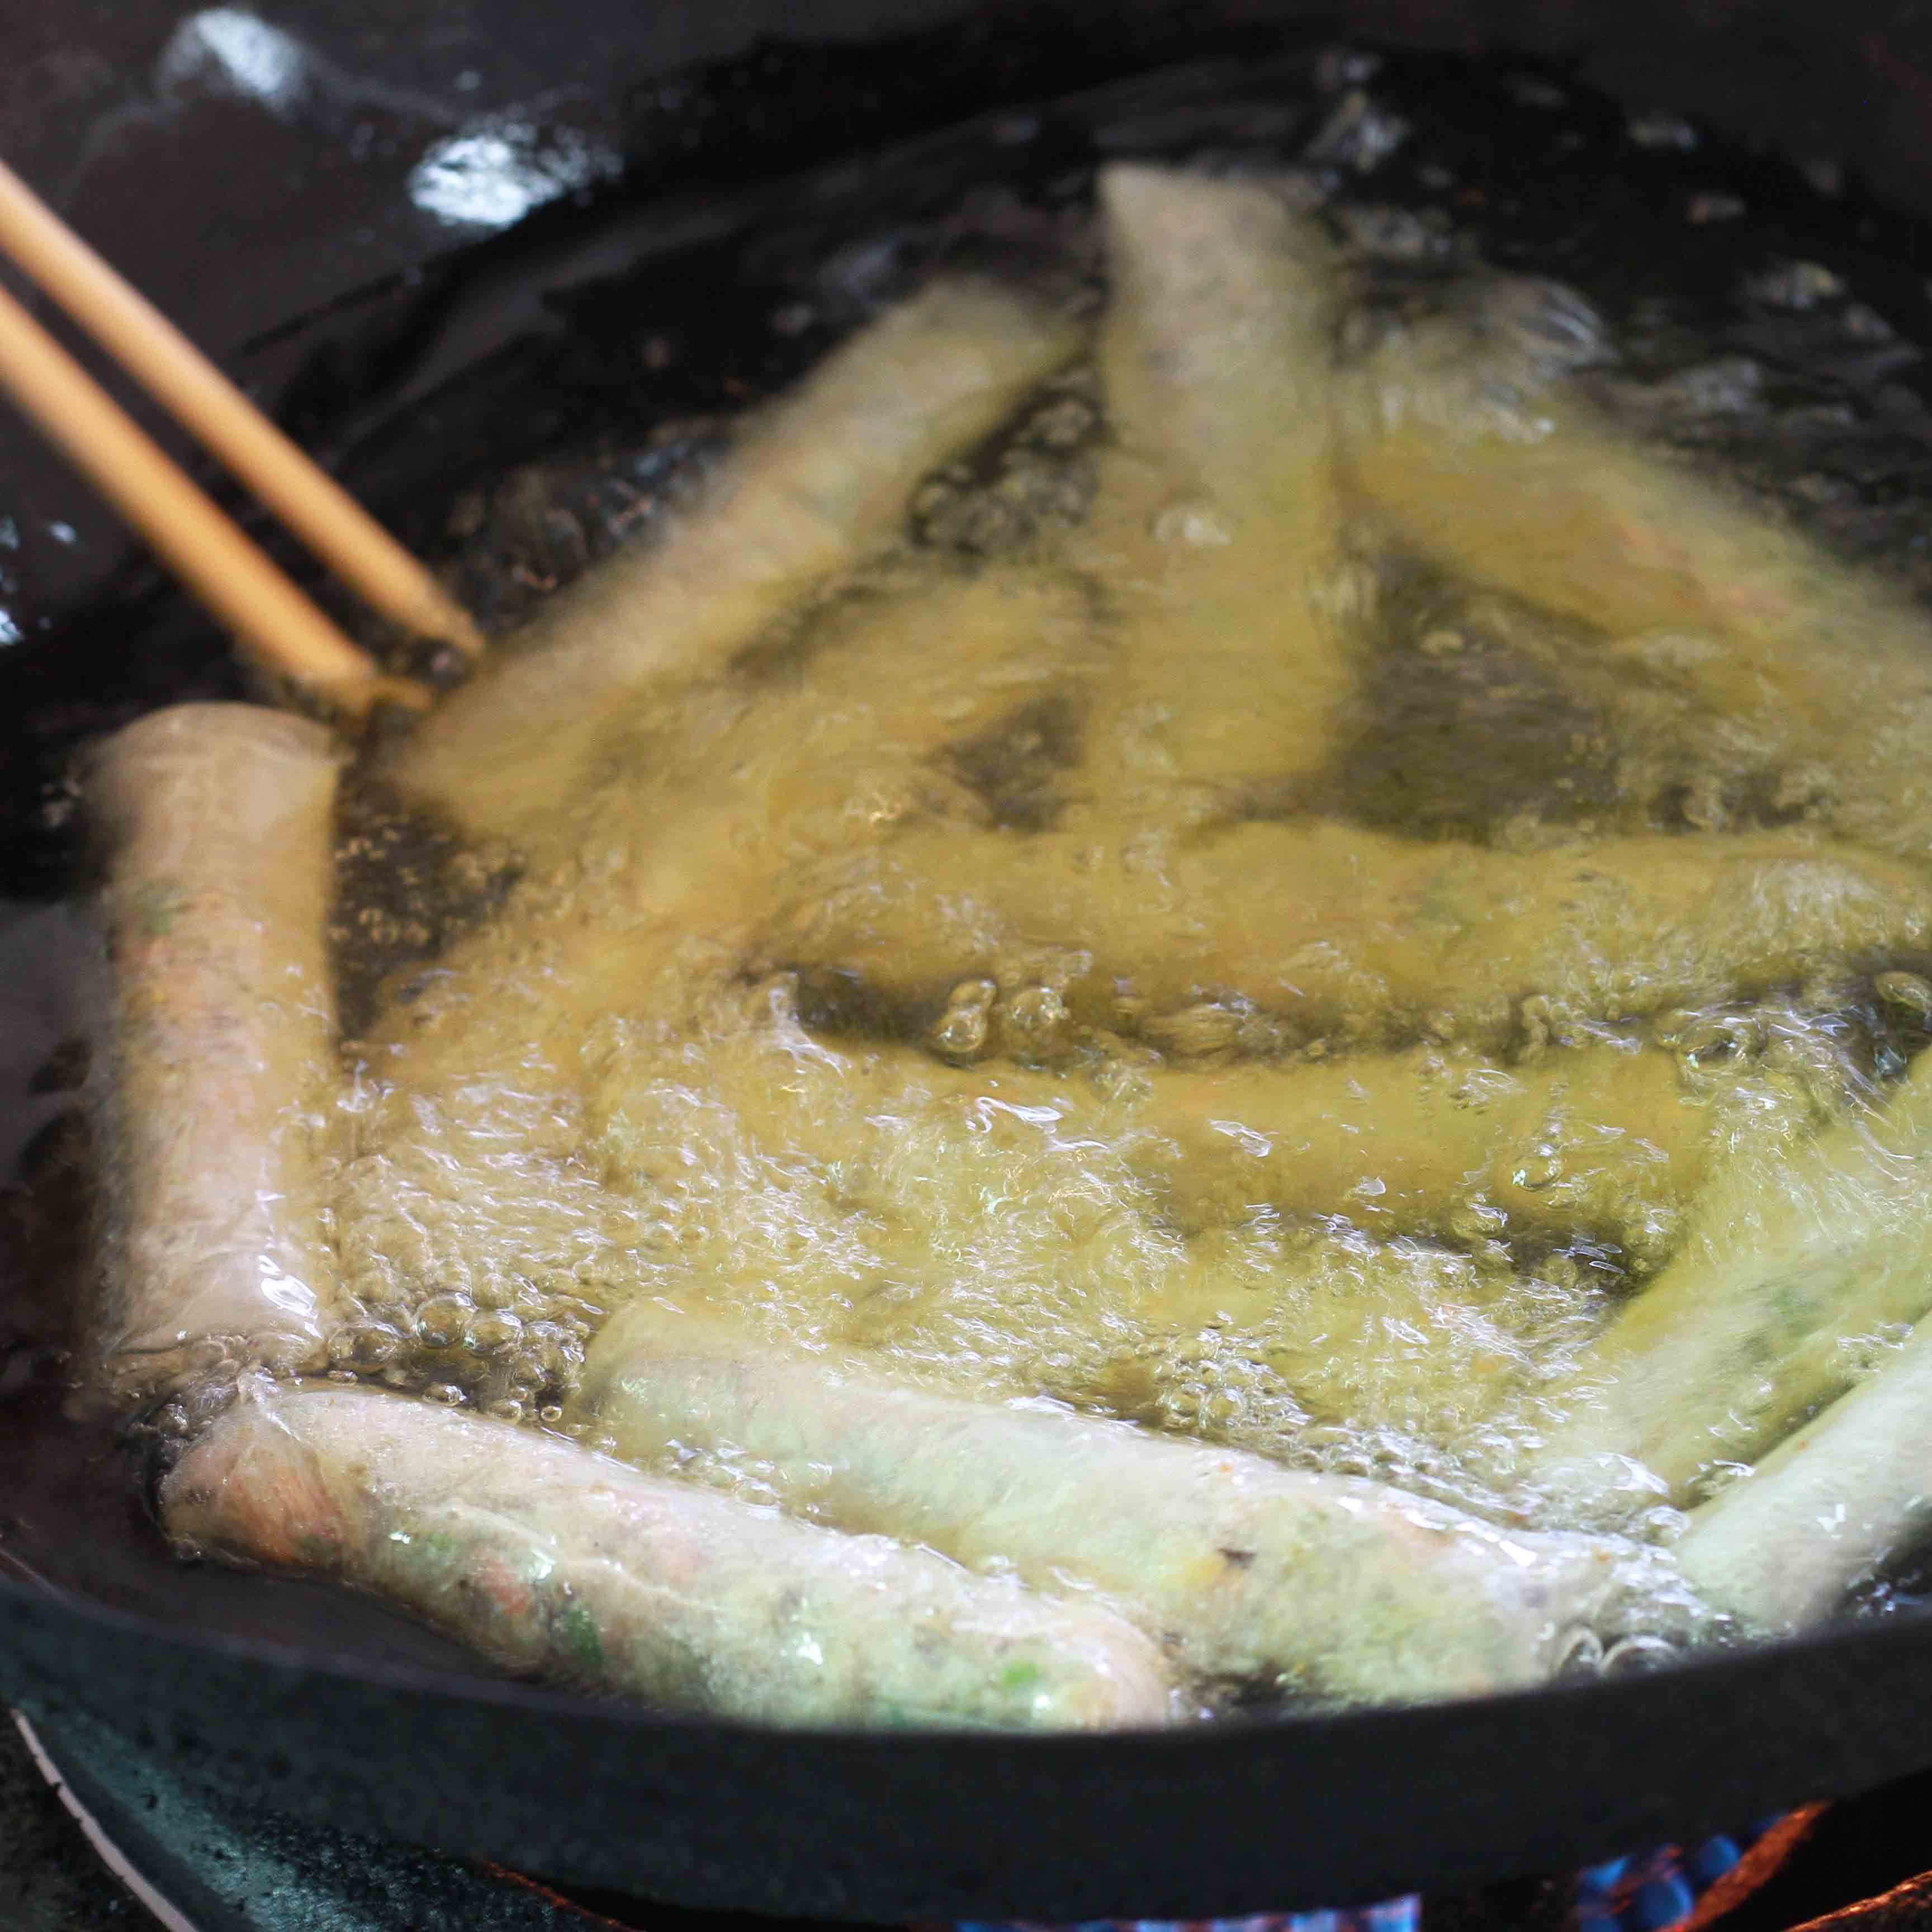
(298,1696)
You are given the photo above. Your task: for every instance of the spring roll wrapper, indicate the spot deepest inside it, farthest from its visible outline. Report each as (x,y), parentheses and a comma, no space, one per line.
(1429,1133)
(1792,1266)
(216,820)
(1780,1547)
(1330,1585)
(1216,507)
(820,480)
(549,1560)
(1352,933)
(1429,1130)
(1491,469)
(1752,635)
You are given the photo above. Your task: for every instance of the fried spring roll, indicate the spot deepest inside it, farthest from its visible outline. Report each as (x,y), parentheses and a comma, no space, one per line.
(1214,351)
(1592,1136)
(1779,1548)
(881,727)
(217,823)
(1347,932)
(1214,359)
(1792,1260)
(1774,653)
(1336,1587)
(816,483)
(547,1558)
(1491,470)
(745,784)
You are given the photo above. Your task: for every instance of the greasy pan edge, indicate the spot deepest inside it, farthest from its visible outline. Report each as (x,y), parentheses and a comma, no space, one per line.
(1240,1817)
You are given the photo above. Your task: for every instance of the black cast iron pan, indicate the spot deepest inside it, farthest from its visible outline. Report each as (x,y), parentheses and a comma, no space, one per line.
(476,355)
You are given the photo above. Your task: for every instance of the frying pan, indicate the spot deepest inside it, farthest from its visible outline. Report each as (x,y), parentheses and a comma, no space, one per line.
(303,1698)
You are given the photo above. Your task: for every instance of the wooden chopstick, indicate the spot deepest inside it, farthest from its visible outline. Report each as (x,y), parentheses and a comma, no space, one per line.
(205,403)
(203,546)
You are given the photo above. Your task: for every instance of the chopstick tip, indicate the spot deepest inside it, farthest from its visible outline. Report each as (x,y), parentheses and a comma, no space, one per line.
(463,631)
(404,692)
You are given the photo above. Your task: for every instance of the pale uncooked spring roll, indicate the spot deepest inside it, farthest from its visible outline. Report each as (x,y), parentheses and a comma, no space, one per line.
(817,482)
(1331,1586)
(1352,933)
(1214,356)
(1779,657)
(1780,1547)
(548,1559)
(216,820)
(1794,1259)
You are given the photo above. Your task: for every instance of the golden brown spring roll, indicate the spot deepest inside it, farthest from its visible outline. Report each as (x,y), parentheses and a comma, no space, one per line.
(547,1558)
(1331,1586)
(1350,933)
(816,482)
(217,823)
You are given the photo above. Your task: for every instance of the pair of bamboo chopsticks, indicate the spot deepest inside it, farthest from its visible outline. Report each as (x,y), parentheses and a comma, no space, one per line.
(270,617)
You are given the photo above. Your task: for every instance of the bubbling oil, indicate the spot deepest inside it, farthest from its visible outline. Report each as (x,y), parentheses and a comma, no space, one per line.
(1355,1236)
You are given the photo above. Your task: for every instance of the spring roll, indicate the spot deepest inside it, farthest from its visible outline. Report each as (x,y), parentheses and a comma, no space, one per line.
(1792,1259)
(1218,510)
(1347,932)
(1215,346)
(1334,1587)
(216,820)
(999,1231)
(1779,1548)
(895,717)
(549,1560)
(742,784)
(1595,1137)
(1589,1137)
(1778,658)
(817,483)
